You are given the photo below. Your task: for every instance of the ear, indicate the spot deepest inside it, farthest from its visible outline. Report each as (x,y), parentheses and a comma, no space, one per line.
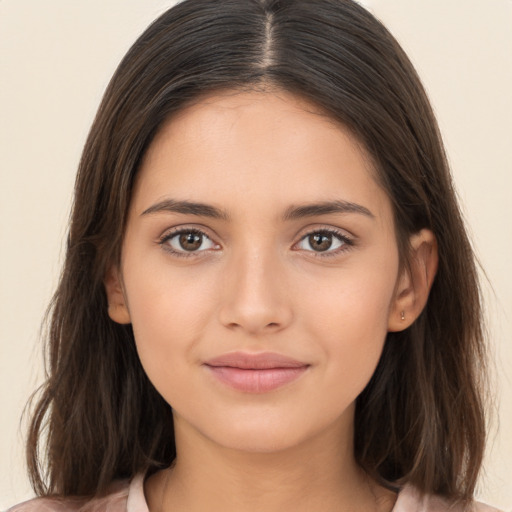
(415,281)
(117,308)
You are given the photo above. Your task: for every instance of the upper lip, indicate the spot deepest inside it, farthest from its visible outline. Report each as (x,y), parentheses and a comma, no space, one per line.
(260,361)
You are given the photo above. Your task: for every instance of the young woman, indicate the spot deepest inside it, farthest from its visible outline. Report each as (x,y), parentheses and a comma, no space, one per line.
(269,301)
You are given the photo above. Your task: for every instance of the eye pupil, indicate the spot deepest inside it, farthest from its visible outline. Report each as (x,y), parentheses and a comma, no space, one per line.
(190,241)
(320,242)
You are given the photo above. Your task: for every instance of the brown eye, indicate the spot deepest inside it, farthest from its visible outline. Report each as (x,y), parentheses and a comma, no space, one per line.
(188,241)
(320,241)
(324,241)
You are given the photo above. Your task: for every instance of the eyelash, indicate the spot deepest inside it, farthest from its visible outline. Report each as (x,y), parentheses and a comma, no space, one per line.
(163,241)
(347,242)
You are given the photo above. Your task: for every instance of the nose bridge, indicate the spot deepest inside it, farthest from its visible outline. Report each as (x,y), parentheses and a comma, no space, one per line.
(255,296)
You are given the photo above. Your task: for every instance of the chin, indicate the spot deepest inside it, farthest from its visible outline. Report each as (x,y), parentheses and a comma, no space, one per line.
(260,441)
(265,434)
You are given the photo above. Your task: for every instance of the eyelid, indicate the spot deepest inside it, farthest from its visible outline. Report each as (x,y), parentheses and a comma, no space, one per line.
(342,235)
(177,230)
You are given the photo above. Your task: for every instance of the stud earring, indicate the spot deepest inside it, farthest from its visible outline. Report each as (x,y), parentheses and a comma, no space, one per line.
(402,316)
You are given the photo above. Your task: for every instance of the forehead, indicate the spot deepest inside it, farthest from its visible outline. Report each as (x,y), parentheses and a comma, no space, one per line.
(270,147)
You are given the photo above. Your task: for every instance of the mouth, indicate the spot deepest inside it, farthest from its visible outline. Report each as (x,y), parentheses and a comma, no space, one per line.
(255,373)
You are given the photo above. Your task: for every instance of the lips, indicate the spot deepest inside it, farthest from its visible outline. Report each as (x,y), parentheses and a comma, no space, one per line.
(255,373)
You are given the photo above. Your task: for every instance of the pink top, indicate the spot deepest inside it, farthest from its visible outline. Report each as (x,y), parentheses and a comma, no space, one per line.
(129,497)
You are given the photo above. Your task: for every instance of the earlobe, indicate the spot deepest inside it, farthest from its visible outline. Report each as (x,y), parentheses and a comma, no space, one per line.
(117,308)
(415,281)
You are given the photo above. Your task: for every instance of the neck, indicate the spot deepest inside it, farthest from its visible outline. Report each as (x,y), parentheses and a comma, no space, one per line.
(321,474)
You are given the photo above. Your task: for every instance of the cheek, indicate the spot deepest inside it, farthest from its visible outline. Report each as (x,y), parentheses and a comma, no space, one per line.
(164,298)
(169,311)
(353,301)
(348,318)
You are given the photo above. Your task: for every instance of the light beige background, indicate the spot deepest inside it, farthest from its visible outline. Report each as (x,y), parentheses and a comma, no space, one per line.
(56,57)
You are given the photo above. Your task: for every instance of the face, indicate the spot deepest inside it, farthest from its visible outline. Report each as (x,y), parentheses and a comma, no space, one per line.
(259,270)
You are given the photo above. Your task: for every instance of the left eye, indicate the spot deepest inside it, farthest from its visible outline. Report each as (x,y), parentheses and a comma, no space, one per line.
(189,241)
(322,241)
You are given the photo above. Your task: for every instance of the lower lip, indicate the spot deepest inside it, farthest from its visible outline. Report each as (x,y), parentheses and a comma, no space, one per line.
(256,381)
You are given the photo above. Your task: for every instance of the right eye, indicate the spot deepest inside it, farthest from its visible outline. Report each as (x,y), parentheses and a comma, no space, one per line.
(187,241)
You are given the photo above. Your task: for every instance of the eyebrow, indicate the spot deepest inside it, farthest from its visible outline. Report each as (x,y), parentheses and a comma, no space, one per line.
(292,213)
(325,208)
(187,208)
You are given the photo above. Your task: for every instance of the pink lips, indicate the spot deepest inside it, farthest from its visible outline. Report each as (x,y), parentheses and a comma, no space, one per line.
(255,373)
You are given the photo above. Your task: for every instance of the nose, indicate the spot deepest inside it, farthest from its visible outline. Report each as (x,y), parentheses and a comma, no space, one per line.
(255,297)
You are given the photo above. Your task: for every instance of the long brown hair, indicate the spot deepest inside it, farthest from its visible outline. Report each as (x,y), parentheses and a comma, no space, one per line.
(420,419)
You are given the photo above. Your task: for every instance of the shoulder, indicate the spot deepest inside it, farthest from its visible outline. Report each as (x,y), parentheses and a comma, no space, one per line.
(410,500)
(123,496)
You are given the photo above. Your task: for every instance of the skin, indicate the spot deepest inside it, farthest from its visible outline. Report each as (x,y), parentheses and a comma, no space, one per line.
(255,283)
